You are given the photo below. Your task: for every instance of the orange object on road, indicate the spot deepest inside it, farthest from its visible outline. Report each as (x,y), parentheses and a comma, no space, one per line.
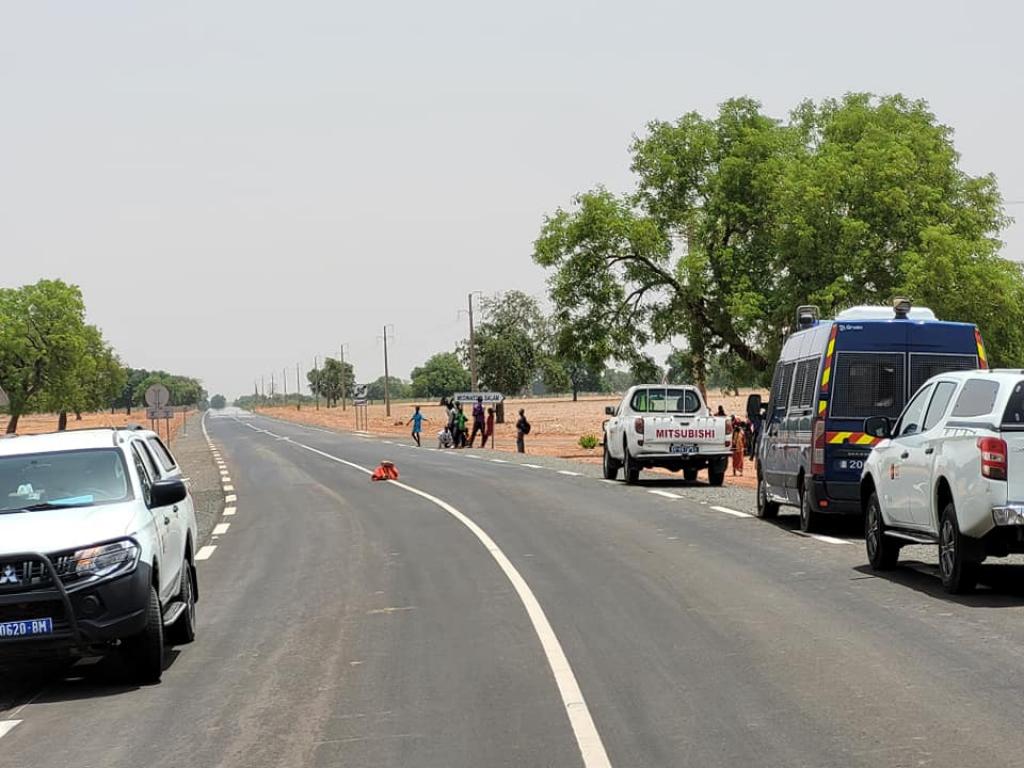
(386,471)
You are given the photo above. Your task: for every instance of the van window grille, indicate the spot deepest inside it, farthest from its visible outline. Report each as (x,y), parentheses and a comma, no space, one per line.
(804,385)
(867,384)
(784,382)
(924,365)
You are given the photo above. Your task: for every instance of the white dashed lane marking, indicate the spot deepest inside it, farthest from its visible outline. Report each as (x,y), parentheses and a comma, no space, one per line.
(532,466)
(221,528)
(567,472)
(230,498)
(229,487)
(228,511)
(822,537)
(206,552)
(733,512)
(6,726)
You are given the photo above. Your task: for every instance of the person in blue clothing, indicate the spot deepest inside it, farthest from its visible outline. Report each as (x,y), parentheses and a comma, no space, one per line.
(417,425)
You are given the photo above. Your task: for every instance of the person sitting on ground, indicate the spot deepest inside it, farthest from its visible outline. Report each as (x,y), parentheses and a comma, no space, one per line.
(444,438)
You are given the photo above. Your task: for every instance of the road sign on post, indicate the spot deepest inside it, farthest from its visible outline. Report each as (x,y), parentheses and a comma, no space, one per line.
(157,396)
(489,398)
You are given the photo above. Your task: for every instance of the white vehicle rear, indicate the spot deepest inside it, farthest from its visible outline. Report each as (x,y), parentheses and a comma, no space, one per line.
(665,426)
(951,474)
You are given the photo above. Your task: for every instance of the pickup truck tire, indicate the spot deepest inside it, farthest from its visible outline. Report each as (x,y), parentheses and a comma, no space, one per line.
(883,552)
(144,653)
(183,631)
(810,520)
(766,509)
(630,469)
(958,571)
(609,465)
(716,472)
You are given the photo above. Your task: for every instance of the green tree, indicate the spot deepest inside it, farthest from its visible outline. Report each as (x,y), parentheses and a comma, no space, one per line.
(218,401)
(42,336)
(440,376)
(397,389)
(332,380)
(510,342)
(739,218)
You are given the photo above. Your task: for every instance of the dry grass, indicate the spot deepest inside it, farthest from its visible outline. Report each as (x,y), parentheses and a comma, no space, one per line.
(38,423)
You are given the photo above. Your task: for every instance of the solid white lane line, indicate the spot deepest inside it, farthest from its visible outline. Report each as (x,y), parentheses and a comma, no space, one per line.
(567,472)
(6,726)
(666,494)
(589,740)
(205,433)
(206,552)
(733,512)
(221,528)
(229,498)
(229,487)
(228,511)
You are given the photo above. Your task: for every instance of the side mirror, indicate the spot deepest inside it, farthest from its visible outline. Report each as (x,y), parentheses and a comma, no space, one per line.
(167,492)
(753,406)
(878,426)
(609,410)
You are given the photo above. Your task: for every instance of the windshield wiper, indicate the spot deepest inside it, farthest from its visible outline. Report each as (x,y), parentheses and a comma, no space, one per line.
(44,505)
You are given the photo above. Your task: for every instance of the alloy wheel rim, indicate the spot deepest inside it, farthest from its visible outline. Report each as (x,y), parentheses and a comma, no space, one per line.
(947,547)
(873,532)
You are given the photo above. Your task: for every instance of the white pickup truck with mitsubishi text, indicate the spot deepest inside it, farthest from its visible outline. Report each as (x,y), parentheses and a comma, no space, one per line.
(665,426)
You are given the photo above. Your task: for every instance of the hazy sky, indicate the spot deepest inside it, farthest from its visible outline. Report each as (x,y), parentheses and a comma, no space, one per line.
(237,186)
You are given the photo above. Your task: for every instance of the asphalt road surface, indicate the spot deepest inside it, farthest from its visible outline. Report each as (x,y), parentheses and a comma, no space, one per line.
(350,623)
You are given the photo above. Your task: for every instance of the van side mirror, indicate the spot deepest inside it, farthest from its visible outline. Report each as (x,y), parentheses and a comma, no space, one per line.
(878,426)
(167,492)
(609,410)
(754,406)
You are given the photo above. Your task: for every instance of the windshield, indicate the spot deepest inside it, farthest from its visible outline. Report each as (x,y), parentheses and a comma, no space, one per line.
(68,478)
(665,401)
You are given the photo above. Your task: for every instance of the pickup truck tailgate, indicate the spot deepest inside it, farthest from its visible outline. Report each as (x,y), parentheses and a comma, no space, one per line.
(679,433)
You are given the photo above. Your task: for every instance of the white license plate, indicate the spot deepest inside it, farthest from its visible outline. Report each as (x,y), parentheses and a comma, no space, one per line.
(27,628)
(683,449)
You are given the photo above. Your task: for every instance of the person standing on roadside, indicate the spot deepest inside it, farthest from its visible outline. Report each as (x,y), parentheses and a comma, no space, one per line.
(522,430)
(460,427)
(489,428)
(417,425)
(739,447)
(451,421)
(478,422)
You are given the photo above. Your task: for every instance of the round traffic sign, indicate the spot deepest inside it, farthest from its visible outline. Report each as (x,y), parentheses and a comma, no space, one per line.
(157,396)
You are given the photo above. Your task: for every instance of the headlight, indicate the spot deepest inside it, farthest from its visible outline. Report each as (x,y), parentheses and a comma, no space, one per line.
(102,561)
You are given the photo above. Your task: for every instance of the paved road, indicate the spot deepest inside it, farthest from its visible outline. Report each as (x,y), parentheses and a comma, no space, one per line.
(352,623)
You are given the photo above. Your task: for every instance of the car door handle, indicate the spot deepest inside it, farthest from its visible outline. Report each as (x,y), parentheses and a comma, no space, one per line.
(167,520)
(175,509)
(905,455)
(929,451)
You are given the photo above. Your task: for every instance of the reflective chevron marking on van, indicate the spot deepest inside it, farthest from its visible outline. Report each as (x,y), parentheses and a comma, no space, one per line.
(851,438)
(982,358)
(826,374)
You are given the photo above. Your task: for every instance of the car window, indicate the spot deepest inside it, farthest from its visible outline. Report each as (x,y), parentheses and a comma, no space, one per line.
(977,398)
(1014,413)
(913,417)
(145,474)
(668,400)
(940,402)
(65,478)
(161,454)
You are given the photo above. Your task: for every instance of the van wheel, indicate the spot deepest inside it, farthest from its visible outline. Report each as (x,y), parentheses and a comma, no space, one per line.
(959,574)
(609,465)
(144,653)
(766,509)
(883,552)
(630,470)
(810,520)
(690,475)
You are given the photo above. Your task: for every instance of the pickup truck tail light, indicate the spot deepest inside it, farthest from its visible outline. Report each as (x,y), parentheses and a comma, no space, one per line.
(993,457)
(638,425)
(818,447)
(728,426)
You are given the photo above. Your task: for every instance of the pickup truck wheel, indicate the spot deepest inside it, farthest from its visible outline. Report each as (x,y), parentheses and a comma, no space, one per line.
(690,475)
(766,508)
(883,552)
(630,470)
(716,473)
(144,653)
(810,520)
(958,573)
(609,465)
(183,631)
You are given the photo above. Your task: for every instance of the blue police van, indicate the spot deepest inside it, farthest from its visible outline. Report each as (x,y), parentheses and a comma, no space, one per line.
(831,376)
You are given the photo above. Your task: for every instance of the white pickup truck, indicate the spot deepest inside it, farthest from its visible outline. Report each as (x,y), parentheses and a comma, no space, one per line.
(665,426)
(950,473)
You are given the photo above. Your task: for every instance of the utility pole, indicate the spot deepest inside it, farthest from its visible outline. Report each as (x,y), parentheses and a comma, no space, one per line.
(271,388)
(284,383)
(316,380)
(298,389)
(387,390)
(344,380)
(472,344)
(263,387)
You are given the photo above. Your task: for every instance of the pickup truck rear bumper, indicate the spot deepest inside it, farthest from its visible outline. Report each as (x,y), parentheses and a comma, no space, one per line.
(679,460)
